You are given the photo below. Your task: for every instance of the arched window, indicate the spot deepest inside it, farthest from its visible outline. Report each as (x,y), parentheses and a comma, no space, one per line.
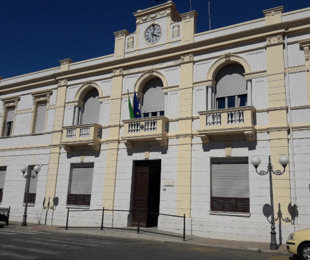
(88,110)
(153,101)
(231,87)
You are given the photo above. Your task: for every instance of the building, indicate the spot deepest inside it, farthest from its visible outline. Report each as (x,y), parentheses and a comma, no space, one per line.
(209,101)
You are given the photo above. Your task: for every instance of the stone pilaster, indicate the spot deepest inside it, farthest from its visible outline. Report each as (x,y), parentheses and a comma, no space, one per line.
(113,141)
(185,137)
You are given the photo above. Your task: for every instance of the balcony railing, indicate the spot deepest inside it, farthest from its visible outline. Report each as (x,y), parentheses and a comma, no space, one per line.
(145,129)
(81,135)
(237,120)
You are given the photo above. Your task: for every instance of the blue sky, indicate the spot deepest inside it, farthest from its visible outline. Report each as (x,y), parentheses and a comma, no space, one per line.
(36,34)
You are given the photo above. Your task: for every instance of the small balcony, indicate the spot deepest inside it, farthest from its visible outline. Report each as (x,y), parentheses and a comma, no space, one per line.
(145,129)
(81,135)
(229,121)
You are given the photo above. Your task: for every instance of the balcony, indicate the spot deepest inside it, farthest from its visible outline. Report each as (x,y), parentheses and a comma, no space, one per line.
(145,129)
(229,121)
(81,135)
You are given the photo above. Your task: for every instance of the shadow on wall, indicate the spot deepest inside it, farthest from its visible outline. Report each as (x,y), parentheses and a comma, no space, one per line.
(292,210)
(48,207)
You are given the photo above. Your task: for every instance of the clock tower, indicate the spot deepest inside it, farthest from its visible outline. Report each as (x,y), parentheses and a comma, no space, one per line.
(157,28)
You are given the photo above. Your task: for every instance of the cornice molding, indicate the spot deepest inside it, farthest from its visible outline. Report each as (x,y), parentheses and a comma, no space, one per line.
(118,72)
(187,58)
(274,40)
(189,15)
(156,12)
(65,61)
(10,101)
(273,11)
(170,53)
(121,33)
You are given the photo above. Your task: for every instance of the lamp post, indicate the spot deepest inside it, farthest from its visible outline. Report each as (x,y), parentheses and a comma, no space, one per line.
(28,174)
(284,161)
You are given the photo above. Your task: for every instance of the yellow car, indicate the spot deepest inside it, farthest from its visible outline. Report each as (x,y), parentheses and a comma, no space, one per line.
(298,243)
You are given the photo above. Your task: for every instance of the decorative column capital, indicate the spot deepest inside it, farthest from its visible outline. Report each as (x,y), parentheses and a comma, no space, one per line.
(306,46)
(274,40)
(187,58)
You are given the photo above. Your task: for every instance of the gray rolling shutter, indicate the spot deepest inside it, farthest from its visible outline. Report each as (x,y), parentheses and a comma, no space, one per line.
(10,114)
(81,179)
(40,118)
(2,177)
(230,178)
(33,182)
(91,108)
(230,81)
(153,97)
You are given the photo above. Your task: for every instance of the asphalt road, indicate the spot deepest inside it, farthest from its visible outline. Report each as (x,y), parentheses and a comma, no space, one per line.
(27,244)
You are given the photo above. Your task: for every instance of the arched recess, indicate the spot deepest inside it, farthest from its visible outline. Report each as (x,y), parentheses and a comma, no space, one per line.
(144,78)
(87,110)
(80,95)
(91,107)
(226,60)
(150,93)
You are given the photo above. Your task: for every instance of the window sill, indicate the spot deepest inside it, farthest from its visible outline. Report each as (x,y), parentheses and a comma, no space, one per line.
(232,214)
(72,206)
(29,204)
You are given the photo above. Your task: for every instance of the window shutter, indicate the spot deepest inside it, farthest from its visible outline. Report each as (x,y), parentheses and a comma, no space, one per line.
(230,81)
(230,178)
(153,97)
(33,182)
(91,108)
(10,115)
(81,179)
(2,176)
(40,118)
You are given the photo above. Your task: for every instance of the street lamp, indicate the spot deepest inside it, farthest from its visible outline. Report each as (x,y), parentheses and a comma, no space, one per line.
(284,161)
(28,174)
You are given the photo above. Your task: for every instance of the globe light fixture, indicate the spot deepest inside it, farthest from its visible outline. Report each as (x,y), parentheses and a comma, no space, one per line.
(28,174)
(284,162)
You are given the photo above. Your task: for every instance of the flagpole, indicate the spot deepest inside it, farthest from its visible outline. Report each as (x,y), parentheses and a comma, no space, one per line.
(130,109)
(209,14)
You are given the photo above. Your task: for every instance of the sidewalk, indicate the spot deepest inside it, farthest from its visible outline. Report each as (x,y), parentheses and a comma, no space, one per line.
(151,234)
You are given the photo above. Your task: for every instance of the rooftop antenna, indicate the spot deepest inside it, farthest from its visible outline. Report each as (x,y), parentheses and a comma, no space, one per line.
(209,14)
(190,5)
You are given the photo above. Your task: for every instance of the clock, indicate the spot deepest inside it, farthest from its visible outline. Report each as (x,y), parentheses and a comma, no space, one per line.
(152,34)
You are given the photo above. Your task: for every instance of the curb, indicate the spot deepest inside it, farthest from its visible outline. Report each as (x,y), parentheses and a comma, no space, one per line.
(159,237)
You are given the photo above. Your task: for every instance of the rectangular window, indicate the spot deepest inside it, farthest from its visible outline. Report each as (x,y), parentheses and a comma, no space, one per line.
(40,116)
(80,184)
(242,100)
(231,101)
(2,178)
(230,185)
(32,186)
(8,131)
(221,103)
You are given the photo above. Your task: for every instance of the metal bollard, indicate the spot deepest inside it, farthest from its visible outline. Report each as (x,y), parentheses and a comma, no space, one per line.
(102,218)
(68,211)
(184,218)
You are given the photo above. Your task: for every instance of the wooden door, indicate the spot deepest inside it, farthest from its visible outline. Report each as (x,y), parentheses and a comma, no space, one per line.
(154,193)
(140,195)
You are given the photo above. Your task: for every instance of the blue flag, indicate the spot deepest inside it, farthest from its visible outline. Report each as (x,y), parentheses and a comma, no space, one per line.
(136,109)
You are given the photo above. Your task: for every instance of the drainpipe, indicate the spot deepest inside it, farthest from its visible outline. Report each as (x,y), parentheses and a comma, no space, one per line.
(291,139)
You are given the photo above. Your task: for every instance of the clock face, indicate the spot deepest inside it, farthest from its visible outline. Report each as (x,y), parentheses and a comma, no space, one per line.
(152,33)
